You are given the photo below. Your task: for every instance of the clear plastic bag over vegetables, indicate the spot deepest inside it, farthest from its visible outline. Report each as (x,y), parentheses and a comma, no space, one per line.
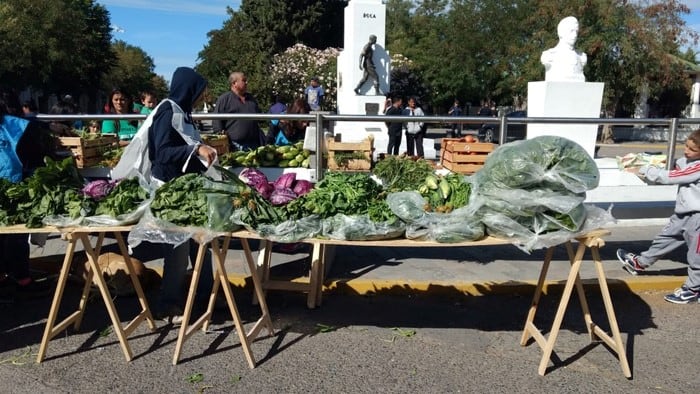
(291,230)
(361,228)
(187,206)
(532,190)
(460,225)
(519,230)
(545,161)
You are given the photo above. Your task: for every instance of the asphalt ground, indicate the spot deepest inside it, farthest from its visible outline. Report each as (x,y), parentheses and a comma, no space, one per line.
(382,343)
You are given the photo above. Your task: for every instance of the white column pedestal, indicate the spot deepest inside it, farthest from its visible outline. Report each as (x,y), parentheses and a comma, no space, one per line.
(565,100)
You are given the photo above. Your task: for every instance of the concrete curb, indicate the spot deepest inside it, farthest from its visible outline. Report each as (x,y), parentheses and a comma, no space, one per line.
(366,287)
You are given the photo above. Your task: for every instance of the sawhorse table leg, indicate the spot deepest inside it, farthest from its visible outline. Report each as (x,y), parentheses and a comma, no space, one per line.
(219,251)
(574,279)
(313,287)
(94,272)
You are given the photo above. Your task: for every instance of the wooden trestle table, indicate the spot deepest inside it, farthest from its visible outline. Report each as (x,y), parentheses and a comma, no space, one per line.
(592,240)
(82,234)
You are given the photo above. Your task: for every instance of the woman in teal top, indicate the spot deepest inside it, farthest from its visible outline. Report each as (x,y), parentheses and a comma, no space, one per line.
(119,103)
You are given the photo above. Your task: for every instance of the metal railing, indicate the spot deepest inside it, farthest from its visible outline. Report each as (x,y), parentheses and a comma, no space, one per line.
(672,124)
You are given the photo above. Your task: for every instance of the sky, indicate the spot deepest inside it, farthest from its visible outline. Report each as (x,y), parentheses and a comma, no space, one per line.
(173,32)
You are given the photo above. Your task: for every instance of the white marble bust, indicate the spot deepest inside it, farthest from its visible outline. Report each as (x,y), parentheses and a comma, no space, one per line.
(563,62)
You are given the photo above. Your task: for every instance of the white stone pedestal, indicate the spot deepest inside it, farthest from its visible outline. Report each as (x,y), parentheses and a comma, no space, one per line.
(556,99)
(362,19)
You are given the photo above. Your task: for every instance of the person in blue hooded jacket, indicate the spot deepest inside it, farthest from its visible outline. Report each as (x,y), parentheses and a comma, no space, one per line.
(23,145)
(174,149)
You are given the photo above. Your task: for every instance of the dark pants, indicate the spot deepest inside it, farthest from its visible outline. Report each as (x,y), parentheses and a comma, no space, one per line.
(456,129)
(414,144)
(14,259)
(175,264)
(394,142)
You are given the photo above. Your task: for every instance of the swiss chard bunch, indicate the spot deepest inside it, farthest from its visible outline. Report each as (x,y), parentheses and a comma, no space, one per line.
(182,201)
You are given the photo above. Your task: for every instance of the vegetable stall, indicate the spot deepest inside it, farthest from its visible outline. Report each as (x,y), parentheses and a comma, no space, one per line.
(529,193)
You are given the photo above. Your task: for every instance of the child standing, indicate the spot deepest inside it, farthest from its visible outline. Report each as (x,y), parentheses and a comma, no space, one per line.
(683,226)
(314,94)
(149,101)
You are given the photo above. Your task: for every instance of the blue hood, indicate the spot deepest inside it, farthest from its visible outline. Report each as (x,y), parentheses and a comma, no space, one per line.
(185,87)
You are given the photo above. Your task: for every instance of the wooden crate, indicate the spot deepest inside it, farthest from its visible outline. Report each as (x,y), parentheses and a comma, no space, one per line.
(362,148)
(88,152)
(463,157)
(217,141)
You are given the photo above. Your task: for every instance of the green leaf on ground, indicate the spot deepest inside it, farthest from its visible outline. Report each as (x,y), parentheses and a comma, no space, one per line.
(195,378)
(406,333)
(20,359)
(105,332)
(322,328)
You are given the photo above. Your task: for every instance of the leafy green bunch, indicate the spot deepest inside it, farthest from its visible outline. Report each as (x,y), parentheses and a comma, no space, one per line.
(124,198)
(52,190)
(342,192)
(182,201)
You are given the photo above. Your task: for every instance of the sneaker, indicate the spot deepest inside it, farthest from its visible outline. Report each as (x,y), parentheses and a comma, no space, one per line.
(683,295)
(630,262)
(176,320)
(170,314)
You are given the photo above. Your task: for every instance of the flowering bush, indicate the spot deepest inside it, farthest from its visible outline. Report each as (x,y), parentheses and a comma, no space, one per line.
(292,70)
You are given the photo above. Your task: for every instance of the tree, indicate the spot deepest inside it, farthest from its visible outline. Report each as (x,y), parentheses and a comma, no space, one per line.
(476,49)
(406,80)
(57,46)
(258,30)
(133,71)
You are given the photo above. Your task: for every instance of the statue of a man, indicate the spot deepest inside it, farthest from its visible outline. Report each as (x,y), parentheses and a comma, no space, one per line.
(367,65)
(563,62)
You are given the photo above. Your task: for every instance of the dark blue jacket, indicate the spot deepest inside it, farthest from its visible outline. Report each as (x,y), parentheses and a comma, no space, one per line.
(167,150)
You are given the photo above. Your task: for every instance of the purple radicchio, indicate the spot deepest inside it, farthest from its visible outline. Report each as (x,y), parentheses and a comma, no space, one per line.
(265,189)
(99,189)
(252,177)
(282,196)
(302,187)
(285,181)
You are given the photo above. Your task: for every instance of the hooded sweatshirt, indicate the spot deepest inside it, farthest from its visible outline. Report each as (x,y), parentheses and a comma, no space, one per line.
(168,151)
(686,175)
